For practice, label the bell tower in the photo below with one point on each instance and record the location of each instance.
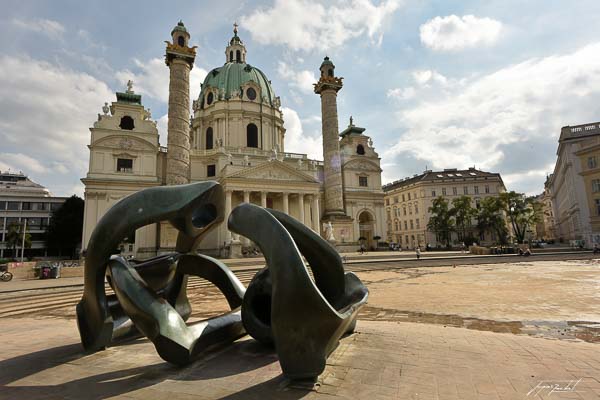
(235, 51)
(179, 58)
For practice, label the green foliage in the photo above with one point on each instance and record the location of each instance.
(490, 218)
(14, 238)
(66, 227)
(441, 221)
(463, 214)
(522, 212)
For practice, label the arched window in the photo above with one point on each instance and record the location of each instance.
(209, 98)
(209, 138)
(126, 123)
(238, 56)
(252, 135)
(231, 56)
(360, 150)
(181, 41)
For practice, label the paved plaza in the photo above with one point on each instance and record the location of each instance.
(526, 330)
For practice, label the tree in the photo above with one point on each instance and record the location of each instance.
(66, 226)
(463, 214)
(14, 238)
(522, 211)
(441, 221)
(491, 219)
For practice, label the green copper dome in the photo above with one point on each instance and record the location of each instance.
(180, 27)
(232, 76)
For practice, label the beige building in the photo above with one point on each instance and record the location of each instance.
(236, 137)
(574, 186)
(29, 205)
(407, 201)
(545, 229)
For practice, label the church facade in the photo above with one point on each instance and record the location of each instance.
(235, 136)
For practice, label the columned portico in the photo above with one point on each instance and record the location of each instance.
(301, 208)
(286, 203)
(316, 214)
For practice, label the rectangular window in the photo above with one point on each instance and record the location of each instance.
(403, 198)
(454, 191)
(596, 200)
(387, 202)
(2, 205)
(409, 196)
(211, 170)
(487, 188)
(404, 209)
(397, 226)
(465, 190)
(417, 223)
(412, 226)
(592, 162)
(595, 185)
(476, 188)
(433, 193)
(443, 191)
(416, 208)
(405, 225)
(26, 206)
(13, 206)
(124, 165)
(362, 181)
(415, 196)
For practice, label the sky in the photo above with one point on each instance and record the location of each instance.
(436, 84)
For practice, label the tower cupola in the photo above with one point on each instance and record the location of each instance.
(235, 51)
(180, 35)
(327, 68)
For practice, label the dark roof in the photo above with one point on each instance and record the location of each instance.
(447, 175)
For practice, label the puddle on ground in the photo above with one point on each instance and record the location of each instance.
(563, 330)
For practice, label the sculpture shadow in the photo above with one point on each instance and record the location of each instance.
(240, 357)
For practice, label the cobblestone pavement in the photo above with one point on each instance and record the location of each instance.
(470, 332)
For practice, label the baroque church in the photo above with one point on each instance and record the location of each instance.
(235, 136)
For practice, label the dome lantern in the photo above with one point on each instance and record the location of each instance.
(235, 51)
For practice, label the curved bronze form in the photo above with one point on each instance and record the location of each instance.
(193, 210)
(159, 321)
(304, 319)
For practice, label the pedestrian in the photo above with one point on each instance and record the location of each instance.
(418, 251)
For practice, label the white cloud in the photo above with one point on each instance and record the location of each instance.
(302, 80)
(162, 124)
(309, 25)
(298, 141)
(452, 33)
(152, 78)
(48, 27)
(402, 93)
(45, 112)
(486, 120)
(425, 77)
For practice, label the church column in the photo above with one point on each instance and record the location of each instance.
(227, 212)
(301, 206)
(246, 196)
(327, 87)
(286, 206)
(180, 60)
(316, 214)
(263, 199)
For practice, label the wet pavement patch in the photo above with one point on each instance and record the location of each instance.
(586, 331)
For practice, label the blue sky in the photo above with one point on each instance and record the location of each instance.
(437, 84)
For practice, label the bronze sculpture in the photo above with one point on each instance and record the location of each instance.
(303, 319)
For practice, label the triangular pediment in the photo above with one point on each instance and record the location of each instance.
(273, 170)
